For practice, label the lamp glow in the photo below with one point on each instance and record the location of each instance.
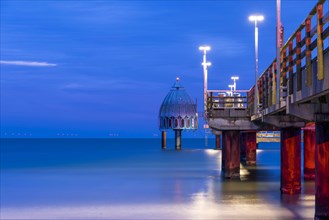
(256, 18)
(206, 64)
(204, 48)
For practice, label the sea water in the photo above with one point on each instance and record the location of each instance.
(135, 179)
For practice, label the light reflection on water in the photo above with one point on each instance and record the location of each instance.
(135, 179)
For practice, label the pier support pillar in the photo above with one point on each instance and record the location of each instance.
(309, 152)
(163, 140)
(250, 143)
(243, 147)
(217, 142)
(322, 170)
(178, 139)
(231, 154)
(290, 160)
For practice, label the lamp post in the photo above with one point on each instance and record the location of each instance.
(231, 90)
(205, 65)
(279, 42)
(256, 18)
(230, 101)
(234, 78)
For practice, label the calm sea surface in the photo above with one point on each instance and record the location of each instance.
(135, 179)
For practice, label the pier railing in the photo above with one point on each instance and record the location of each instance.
(223, 99)
(302, 63)
(228, 110)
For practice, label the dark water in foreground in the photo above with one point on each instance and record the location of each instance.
(135, 179)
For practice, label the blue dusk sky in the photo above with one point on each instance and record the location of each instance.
(102, 68)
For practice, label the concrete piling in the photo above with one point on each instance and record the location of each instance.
(217, 142)
(231, 154)
(163, 140)
(322, 170)
(309, 152)
(250, 143)
(178, 139)
(290, 160)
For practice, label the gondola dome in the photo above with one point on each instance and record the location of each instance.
(178, 111)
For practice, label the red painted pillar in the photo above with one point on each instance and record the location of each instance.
(250, 140)
(322, 170)
(242, 147)
(231, 154)
(290, 160)
(309, 152)
(217, 141)
(164, 139)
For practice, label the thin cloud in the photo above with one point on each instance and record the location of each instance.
(115, 84)
(26, 63)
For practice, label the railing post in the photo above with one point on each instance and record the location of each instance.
(211, 100)
(298, 61)
(319, 8)
(208, 103)
(284, 71)
(308, 52)
(270, 86)
(274, 82)
(290, 68)
(260, 92)
(266, 88)
(263, 91)
(249, 105)
(253, 99)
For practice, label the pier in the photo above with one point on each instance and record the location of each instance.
(291, 92)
